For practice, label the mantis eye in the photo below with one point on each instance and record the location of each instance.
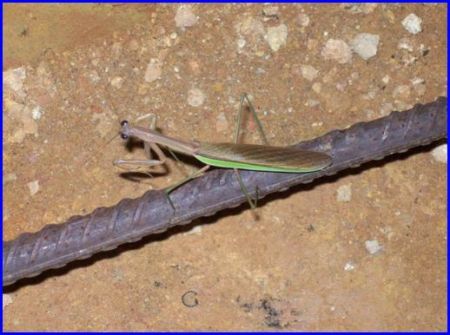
(123, 136)
(124, 123)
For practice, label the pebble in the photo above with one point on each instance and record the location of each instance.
(7, 299)
(36, 113)
(271, 11)
(153, 71)
(196, 97)
(386, 79)
(386, 108)
(309, 72)
(365, 45)
(360, 8)
(197, 230)
(349, 266)
(117, 82)
(401, 92)
(412, 23)
(9, 177)
(337, 50)
(440, 153)
(185, 17)
(405, 44)
(373, 247)
(344, 193)
(33, 186)
(312, 103)
(14, 79)
(221, 122)
(241, 43)
(277, 36)
(94, 77)
(317, 88)
(303, 20)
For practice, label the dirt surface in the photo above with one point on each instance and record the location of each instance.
(366, 251)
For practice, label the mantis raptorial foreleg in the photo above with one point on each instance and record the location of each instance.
(148, 147)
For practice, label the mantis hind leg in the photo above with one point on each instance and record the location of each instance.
(244, 97)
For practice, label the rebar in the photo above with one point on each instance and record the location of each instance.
(131, 219)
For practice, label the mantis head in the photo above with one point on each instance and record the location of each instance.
(125, 131)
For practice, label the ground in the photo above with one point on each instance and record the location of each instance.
(363, 251)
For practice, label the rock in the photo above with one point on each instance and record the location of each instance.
(309, 72)
(7, 299)
(405, 44)
(196, 97)
(412, 23)
(270, 11)
(185, 17)
(349, 266)
(33, 186)
(153, 71)
(116, 82)
(373, 247)
(303, 20)
(277, 36)
(344, 193)
(440, 153)
(337, 50)
(36, 113)
(401, 92)
(14, 78)
(365, 45)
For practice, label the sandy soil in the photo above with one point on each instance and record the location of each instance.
(77, 70)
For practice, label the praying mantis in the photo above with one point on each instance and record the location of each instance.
(235, 155)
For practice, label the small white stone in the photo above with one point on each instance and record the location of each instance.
(196, 97)
(33, 186)
(309, 72)
(185, 17)
(386, 79)
(153, 71)
(401, 92)
(365, 45)
(440, 153)
(174, 35)
(349, 266)
(373, 247)
(312, 103)
(344, 193)
(36, 113)
(241, 43)
(412, 23)
(197, 230)
(317, 88)
(337, 50)
(270, 11)
(116, 82)
(277, 36)
(14, 79)
(303, 20)
(7, 299)
(405, 44)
